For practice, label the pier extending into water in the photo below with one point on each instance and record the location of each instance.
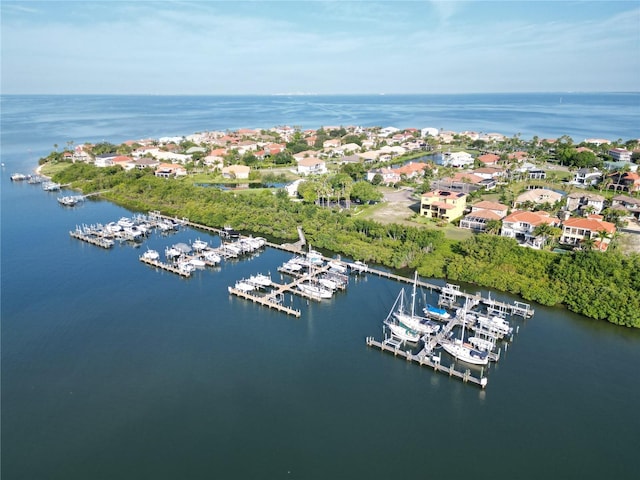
(423, 358)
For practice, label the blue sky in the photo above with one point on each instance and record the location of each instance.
(267, 47)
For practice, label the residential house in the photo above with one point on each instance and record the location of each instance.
(481, 213)
(389, 175)
(625, 182)
(239, 172)
(442, 204)
(105, 159)
(585, 202)
(167, 170)
(331, 143)
(575, 230)
(587, 177)
(521, 225)
(145, 162)
(464, 182)
(489, 172)
(457, 159)
(311, 166)
(477, 221)
(597, 141)
(620, 154)
(489, 159)
(127, 163)
(292, 188)
(538, 196)
(412, 169)
(630, 204)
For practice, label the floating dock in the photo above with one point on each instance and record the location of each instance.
(267, 301)
(92, 239)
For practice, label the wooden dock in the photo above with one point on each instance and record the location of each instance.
(165, 266)
(92, 239)
(267, 301)
(423, 359)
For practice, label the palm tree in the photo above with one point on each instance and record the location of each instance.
(587, 243)
(493, 227)
(602, 236)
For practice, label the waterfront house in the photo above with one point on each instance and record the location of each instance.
(145, 162)
(457, 159)
(481, 213)
(575, 230)
(443, 204)
(521, 225)
(477, 221)
(412, 169)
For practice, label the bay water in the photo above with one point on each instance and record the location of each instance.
(111, 369)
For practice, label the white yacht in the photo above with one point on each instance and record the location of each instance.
(260, 280)
(314, 290)
(212, 257)
(151, 255)
(200, 244)
(465, 352)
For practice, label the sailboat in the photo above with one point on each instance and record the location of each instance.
(397, 328)
(466, 352)
(413, 321)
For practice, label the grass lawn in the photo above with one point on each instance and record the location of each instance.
(50, 169)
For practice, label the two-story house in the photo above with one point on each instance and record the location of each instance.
(575, 230)
(521, 225)
(443, 204)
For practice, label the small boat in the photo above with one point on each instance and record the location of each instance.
(328, 283)
(112, 227)
(18, 177)
(50, 186)
(435, 312)
(125, 222)
(133, 231)
(358, 267)
(212, 257)
(228, 232)
(494, 324)
(171, 252)
(186, 267)
(151, 255)
(244, 286)
(337, 266)
(291, 266)
(68, 201)
(260, 280)
(198, 263)
(199, 244)
(481, 343)
(314, 290)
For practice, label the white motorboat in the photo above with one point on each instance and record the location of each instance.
(244, 286)
(151, 255)
(436, 312)
(125, 222)
(186, 267)
(314, 290)
(18, 177)
(172, 252)
(328, 284)
(337, 266)
(260, 280)
(494, 324)
(112, 227)
(198, 263)
(68, 200)
(133, 231)
(291, 266)
(199, 245)
(482, 344)
(212, 257)
(50, 186)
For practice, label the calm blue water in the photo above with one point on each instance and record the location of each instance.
(111, 369)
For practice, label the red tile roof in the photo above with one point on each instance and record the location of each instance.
(591, 224)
